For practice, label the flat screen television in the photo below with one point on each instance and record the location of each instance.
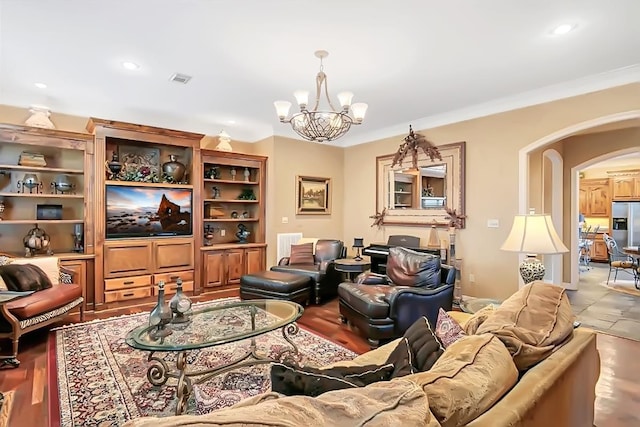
(148, 211)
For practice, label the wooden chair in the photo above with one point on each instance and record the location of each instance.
(42, 307)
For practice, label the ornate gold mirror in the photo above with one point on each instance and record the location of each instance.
(422, 195)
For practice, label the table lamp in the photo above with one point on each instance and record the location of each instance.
(358, 242)
(533, 234)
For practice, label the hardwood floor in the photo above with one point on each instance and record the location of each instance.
(618, 391)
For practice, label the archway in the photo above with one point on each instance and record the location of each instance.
(523, 177)
(554, 263)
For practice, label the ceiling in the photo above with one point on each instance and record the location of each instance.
(428, 62)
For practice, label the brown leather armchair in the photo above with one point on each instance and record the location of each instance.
(382, 307)
(324, 277)
(38, 309)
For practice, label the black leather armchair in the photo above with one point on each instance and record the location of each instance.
(324, 277)
(382, 307)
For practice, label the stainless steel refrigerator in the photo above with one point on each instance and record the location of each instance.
(626, 223)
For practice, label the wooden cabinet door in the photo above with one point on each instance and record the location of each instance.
(173, 254)
(255, 260)
(636, 194)
(235, 266)
(599, 201)
(584, 197)
(214, 268)
(79, 268)
(127, 258)
(599, 249)
(623, 188)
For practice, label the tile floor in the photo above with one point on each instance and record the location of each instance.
(605, 310)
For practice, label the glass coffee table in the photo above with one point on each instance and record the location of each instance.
(211, 326)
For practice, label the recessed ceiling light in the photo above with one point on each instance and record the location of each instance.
(562, 29)
(130, 65)
(40, 85)
(231, 122)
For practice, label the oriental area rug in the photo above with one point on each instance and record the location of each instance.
(102, 381)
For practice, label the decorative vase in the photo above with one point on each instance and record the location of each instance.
(1, 208)
(160, 316)
(180, 304)
(37, 240)
(247, 174)
(233, 173)
(31, 182)
(62, 184)
(114, 166)
(40, 117)
(173, 169)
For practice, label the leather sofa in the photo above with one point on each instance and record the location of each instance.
(324, 277)
(40, 308)
(383, 307)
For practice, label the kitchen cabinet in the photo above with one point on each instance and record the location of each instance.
(626, 188)
(595, 197)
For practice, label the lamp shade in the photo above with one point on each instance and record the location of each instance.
(534, 233)
(358, 242)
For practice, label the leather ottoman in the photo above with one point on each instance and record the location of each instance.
(276, 285)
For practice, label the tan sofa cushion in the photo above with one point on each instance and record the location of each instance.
(473, 323)
(397, 403)
(532, 322)
(473, 374)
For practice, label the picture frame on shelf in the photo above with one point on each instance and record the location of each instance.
(134, 158)
(313, 195)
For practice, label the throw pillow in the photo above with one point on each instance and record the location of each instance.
(301, 254)
(448, 330)
(25, 277)
(417, 351)
(297, 380)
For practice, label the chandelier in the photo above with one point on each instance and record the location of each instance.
(321, 125)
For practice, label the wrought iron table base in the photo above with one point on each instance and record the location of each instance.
(159, 372)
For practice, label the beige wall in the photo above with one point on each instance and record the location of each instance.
(493, 144)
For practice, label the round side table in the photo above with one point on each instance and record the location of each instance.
(351, 266)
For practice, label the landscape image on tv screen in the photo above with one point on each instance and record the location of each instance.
(147, 211)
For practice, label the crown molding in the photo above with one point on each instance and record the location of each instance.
(592, 83)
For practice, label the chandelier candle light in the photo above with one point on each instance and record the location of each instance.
(533, 234)
(321, 125)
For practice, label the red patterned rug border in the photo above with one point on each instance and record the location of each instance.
(53, 395)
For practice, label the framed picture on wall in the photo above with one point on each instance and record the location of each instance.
(313, 195)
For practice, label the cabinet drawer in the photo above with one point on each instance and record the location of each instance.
(172, 277)
(170, 289)
(127, 294)
(127, 282)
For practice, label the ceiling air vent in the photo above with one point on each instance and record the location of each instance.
(180, 78)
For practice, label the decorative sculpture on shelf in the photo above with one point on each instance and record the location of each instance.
(114, 167)
(379, 218)
(242, 233)
(411, 144)
(37, 240)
